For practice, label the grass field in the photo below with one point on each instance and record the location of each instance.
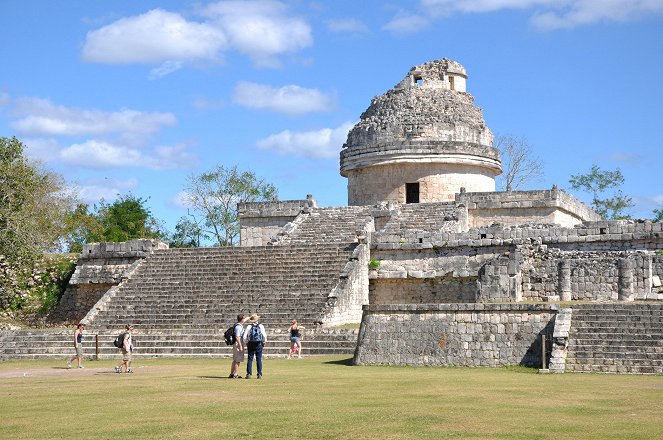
(321, 398)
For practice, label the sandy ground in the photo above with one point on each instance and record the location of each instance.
(12, 373)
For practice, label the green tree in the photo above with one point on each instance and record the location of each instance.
(658, 215)
(214, 195)
(188, 233)
(125, 219)
(597, 182)
(33, 204)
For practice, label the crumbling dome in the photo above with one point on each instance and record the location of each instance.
(421, 141)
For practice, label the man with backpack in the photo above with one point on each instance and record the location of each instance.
(238, 347)
(255, 338)
(127, 348)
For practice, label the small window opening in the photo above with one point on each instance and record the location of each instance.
(451, 83)
(419, 80)
(483, 236)
(412, 192)
(603, 231)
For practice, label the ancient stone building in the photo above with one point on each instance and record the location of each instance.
(422, 141)
(426, 245)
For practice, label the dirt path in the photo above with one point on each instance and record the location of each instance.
(18, 372)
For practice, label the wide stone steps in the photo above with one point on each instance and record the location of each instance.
(616, 338)
(210, 286)
(191, 342)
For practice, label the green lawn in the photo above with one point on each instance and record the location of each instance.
(321, 398)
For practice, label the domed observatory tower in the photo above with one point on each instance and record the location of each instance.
(420, 142)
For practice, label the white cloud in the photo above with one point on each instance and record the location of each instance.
(407, 23)
(4, 99)
(323, 144)
(97, 154)
(350, 25)
(166, 68)
(206, 104)
(659, 199)
(546, 14)
(260, 29)
(290, 99)
(101, 155)
(153, 37)
(43, 118)
(180, 200)
(92, 191)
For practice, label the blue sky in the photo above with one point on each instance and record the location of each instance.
(134, 96)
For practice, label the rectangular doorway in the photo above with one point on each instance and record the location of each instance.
(412, 192)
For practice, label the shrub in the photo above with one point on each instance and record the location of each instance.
(374, 264)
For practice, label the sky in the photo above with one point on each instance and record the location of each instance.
(133, 97)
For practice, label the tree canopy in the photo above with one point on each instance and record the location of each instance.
(599, 184)
(33, 203)
(213, 197)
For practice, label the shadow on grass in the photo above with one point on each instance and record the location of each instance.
(346, 362)
(216, 377)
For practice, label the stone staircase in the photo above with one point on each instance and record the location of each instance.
(429, 217)
(57, 344)
(330, 225)
(208, 287)
(616, 338)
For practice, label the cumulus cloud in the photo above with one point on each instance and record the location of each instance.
(320, 144)
(101, 155)
(153, 37)
(4, 99)
(349, 26)
(40, 117)
(92, 191)
(545, 14)
(290, 99)
(261, 29)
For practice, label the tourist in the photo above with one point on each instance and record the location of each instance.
(78, 346)
(255, 338)
(127, 350)
(295, 339)
(238, 348)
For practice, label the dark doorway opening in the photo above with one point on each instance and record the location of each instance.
(412, 192)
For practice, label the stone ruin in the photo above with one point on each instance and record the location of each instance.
(438, 267)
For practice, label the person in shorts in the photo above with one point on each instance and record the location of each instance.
(295, 339)
(238, 348)
(78, 346)
(127, 350)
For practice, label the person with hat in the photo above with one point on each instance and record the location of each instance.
(255, 338)
(127, 349)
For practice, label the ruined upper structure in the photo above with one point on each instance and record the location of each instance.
(421, 141)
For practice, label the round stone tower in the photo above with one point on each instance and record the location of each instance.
(420, 142)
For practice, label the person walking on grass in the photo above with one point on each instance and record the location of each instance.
(127, 350)
(78, 346)
(255, 338)
(238, 348)
(295, 339)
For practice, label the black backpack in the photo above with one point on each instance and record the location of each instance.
(119, 340)
(229, 335)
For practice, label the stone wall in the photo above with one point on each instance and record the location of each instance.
(437, 290)
(345, 301)
(260, 222)
(100, 266)
(525, 207)
(532, 263)
(477, 335)
(438, 182)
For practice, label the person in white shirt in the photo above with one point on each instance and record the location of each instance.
(238, 348)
